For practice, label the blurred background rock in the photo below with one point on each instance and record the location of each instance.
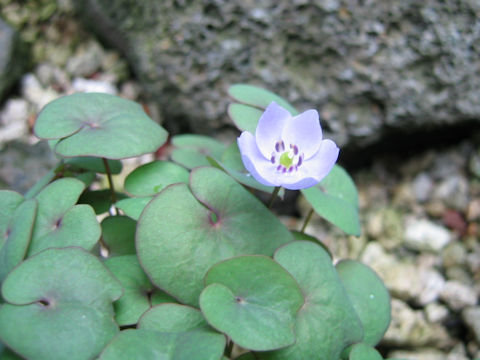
(397, 84)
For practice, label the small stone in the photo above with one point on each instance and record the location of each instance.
(435, 312)
(386, 225)
(459, 274)
(13, 120)
(87, 85)
(420, 354)
(33, 91)
(453, 191)
(471, 318)
(424, 235)
(410, 328)
(432, 284)
(457, 295)
(455, 221)
(473, 210)
(454, 254)
(86, 61)
(422, 187)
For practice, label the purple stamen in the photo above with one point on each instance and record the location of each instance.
(290, 169)
(279, 167)
(300, 159)
(272, 159)
(284, 170)
(295, 149)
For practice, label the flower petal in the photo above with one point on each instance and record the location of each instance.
(304, 131)
(270, 127)
(319, 165)
(314, 169)
(253, 160)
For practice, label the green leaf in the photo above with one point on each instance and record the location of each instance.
(153, 345)
(245, 117)
(139, 294)
(94, 164)
(191, 150)
(149, 179)
(327, 322)
(258, 97)
(302, 236)
(9, 201)
(369, 297)
(59, 222)
(133, 207)
(18, 235)
(362, 351)
(253, 300)
(184, 231)
(100, 200)
(40, 184)
(335, 198)
(60, 302)
(172, 318)
(118, 235)
(100, 125)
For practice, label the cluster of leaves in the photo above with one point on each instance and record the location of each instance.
(189, 265)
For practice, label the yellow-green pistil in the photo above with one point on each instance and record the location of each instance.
(286, 159)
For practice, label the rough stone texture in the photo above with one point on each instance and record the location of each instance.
(12, 60)
(370, 66)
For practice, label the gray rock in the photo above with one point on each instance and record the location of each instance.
(13, 120)
(90, 85)
(435, 312)
(12, 58)
(424, 235)
(457, 295)
(422, 187)
(410, 328)
(453, 191)
(370, 66)
(35, 93)
(86, 61)
(471, 318)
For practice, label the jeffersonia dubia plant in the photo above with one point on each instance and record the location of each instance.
(185, 262)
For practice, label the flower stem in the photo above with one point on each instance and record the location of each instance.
(307, 220)
(113, 197)
(274, 196)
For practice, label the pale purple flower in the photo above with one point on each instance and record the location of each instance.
(287, 151)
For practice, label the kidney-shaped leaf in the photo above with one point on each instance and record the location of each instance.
(362, 351)
(184, 231)
(118, 235)
(133, 207)
(369, 297)
(191, 150)
(60, 306)
(101, 125)
(335, 198)
(327, 322)
(149, 179)
(172, 318)
(153, 345)
(253, 300)
(59, 222)
(258, 97)
(18, 235)
(9, 201)
(139, 294)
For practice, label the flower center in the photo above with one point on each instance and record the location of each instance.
(288, 160)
